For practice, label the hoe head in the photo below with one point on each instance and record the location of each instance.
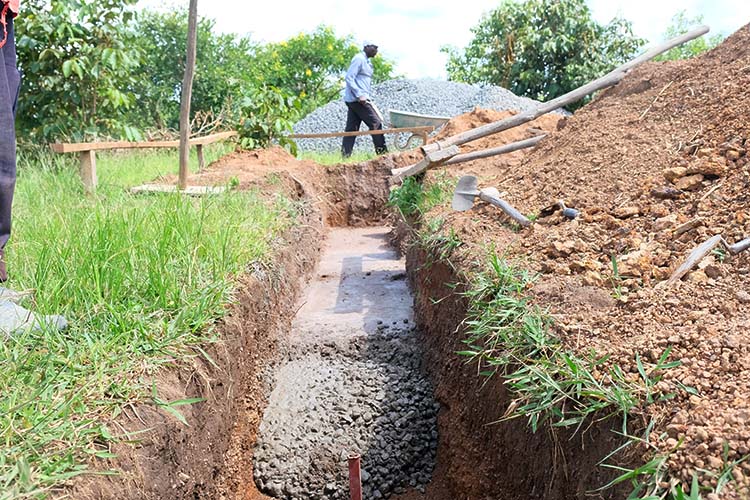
(466, 191)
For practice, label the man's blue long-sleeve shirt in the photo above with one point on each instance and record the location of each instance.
(358, 78)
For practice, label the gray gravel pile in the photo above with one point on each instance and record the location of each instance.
(428, 97)
(362, 394)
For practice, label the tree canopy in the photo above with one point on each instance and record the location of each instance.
(542, 48)
(78, 69)
(102, 69)
(311, 66)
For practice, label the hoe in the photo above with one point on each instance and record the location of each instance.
(468, 190)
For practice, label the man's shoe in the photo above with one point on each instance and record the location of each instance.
(15, 319)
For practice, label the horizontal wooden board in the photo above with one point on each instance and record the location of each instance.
(404, 130)
(98, 146)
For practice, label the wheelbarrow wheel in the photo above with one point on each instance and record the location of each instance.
(408, 144)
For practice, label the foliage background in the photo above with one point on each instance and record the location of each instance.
(96, 69)
(542, 48)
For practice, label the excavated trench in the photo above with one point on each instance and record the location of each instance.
(368, 368)
(363, 361)
(351, 381)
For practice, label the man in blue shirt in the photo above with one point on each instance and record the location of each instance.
(357, 99)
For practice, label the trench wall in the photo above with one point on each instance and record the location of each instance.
(479, 457)
(212, 457)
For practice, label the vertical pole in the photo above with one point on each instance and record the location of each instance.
(187, 93)
(88, 170)
(201, 159)
(355, 478)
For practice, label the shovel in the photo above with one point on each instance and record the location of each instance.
(468, 190)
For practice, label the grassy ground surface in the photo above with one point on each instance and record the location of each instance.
(141, 280)
(336, 158)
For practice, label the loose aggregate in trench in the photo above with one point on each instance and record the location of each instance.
(351, 383)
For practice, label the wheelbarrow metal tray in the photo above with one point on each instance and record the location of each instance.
(401, 119)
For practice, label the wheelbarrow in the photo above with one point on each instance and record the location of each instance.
(419, 123)
(402, 122)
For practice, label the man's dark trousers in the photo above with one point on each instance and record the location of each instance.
(362, 112)
(10, 82)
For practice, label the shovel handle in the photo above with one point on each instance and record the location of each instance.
(489, 196)
(740, 246)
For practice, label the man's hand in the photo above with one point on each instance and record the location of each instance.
(363, 99)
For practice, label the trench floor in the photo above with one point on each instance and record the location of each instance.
(351, 381)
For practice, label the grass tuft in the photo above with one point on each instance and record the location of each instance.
(509, 336)
(416, 197)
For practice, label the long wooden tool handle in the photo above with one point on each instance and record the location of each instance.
(489, 196)
(487, 153)
(607, 80)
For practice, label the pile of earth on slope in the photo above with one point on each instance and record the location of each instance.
(657, 165)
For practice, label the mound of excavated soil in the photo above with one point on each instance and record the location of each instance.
(657, 165)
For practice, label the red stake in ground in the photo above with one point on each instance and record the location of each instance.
(355, 477)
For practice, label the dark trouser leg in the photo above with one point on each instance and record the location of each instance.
(372, 120)
(10, 82)
(367, 114)
(353, 122)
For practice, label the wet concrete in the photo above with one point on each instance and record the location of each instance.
(352, 382)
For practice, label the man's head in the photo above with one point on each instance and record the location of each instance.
(371, 50)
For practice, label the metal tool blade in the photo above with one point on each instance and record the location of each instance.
(466, 191)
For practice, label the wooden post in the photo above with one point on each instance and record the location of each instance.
(201, 159)
(87, 170)
(187, 93)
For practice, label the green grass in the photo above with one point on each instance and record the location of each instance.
(511, 337)
(141, 279)
(416, 197)
(336, 158)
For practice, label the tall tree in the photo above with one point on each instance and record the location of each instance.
(542, 48)
(187, 93)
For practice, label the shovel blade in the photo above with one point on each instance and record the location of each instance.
(466, 192)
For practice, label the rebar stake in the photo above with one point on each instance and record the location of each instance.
(355, 477)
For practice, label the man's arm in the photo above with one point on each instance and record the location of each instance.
(351, 79)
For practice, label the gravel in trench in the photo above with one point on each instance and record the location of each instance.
(352, 382)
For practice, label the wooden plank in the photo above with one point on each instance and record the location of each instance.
(212, 138)
(527, 116)
(87, 170)
(98, 146)
(414, 130)
(607, 80)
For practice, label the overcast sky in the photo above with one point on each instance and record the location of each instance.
(411, 32)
